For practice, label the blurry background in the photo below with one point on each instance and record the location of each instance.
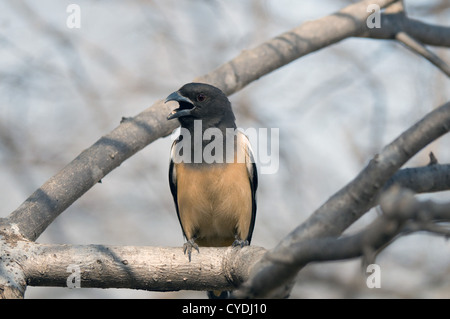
(61, 89)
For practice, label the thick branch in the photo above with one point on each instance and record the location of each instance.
(12, 278)
(147, 268)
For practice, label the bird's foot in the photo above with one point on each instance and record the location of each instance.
(240, 242)
(187, 247)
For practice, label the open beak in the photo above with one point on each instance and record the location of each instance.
(186, 105)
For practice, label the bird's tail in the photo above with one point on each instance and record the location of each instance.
(217, 294)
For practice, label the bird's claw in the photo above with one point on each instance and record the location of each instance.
(240, 242)
(187, 247)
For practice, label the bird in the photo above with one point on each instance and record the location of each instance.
(212, 172)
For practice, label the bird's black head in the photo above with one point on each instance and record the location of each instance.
(199, 101)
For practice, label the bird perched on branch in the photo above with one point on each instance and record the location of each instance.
(212, 172)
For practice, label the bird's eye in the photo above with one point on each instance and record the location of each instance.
(201, 97)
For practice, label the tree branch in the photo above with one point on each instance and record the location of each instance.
(412, 33)
(427, 179)
(400, 210)
(348, 204)
(146, 268)
(393, 23)
(420, 49)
